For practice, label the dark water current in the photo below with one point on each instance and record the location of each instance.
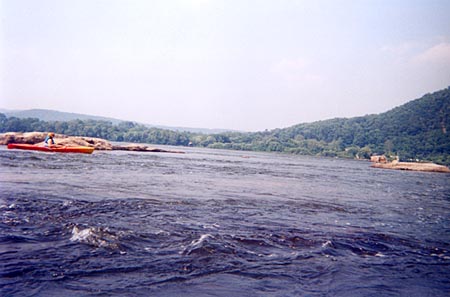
(219, 223)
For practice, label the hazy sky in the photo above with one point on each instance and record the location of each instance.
(245, 65)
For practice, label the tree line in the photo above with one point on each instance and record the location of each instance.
(416, 130)
(121, 132)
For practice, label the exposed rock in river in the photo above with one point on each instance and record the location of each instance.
(142, 148)
(381, 162)
(428, 167)
(97, 143)
(378, 159)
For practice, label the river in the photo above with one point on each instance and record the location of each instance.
(219, 223)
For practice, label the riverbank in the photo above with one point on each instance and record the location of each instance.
(96, 143)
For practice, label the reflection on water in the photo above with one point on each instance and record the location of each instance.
(219, 223)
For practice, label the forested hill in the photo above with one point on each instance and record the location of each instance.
(419, 129)
(413, 130)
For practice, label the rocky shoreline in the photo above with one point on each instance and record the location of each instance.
(97, 143)
(424, 167)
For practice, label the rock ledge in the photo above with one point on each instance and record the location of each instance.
(426, 167)
(97, 143)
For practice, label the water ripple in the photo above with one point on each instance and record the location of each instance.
(215, 224)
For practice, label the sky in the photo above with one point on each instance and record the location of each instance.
(231, 64)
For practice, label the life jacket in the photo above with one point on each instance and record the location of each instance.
(49, 138)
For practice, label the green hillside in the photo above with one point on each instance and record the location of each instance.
(419, 129)
(415, 130)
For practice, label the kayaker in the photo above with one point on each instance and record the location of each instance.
(49, 139)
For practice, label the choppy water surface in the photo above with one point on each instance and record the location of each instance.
(219, 223)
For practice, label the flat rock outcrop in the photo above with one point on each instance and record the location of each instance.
(426, 167)
(17, 137)
(97, 143)
(39, 137)
(142, 148)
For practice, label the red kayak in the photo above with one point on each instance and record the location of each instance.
(55, 149)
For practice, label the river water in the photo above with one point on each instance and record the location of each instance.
(219, 223)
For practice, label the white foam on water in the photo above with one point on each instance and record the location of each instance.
(327, 244)
(97, 237)
(198, 242)
(81, 235)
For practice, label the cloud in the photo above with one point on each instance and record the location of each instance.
(437, 54)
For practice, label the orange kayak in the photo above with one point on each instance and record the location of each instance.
(55, 149)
